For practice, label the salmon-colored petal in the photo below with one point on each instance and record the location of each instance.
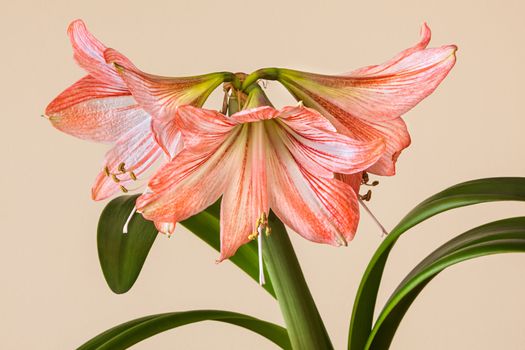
(378, 92)
(88, 51)
(202, 128)
(167, 228)
(130, 157)
(245, 197)
(397, 138)
(190, 182)
(354, 180)
(93, 110)
(394, 133)
(168, 136)
(160, 96)
(303, 119)
(322, 151)
(424, 34)
(319, 209)
(254, 114)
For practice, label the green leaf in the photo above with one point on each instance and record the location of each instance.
(122, 255)
(505, 236)
(127, 334)
(467, 193)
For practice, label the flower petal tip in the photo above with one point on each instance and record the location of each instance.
(75, 25)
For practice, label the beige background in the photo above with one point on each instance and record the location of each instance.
(53, 295)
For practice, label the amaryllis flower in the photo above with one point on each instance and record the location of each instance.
(260, 159)
(368, 102)
(99, 107)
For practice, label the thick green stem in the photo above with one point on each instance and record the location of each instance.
(304, 324)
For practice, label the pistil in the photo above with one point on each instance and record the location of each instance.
(384, 232)
(262, 229)
(126, 224)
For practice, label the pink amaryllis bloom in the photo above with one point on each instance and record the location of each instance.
(368, 103)
(260, 159)
(99, 107)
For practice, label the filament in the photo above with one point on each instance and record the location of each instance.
(384, 232)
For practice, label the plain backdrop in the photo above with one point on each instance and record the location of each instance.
(53, 294)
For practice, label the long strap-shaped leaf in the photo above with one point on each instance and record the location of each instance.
(122, 255)
(467, 193)
(503, 236)
(127, 334)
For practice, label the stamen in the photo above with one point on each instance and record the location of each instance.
(262, 229)
(123, 189)
(122, 167)
(384, 232)
(106, 171)
(366, 178)
(115, 178)
(133, 176)
(260, 253)
(367, 196)
(125, 228)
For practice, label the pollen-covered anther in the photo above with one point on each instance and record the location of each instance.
(122, 167)
(367, 196)
(133, 176)
(106, 171)
(123, 189)
(366, 180)
(261, 225)
(115, 178)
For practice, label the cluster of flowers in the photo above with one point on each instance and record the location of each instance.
(304, 162)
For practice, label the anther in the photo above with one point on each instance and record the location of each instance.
(122, 167)
(367, 196)
(133, 176)
(106, 171)
(365, 178)
(123, 189)
(115, 178)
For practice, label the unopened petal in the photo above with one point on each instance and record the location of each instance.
(93, 110)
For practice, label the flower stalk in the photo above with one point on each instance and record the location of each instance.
(303, 322)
